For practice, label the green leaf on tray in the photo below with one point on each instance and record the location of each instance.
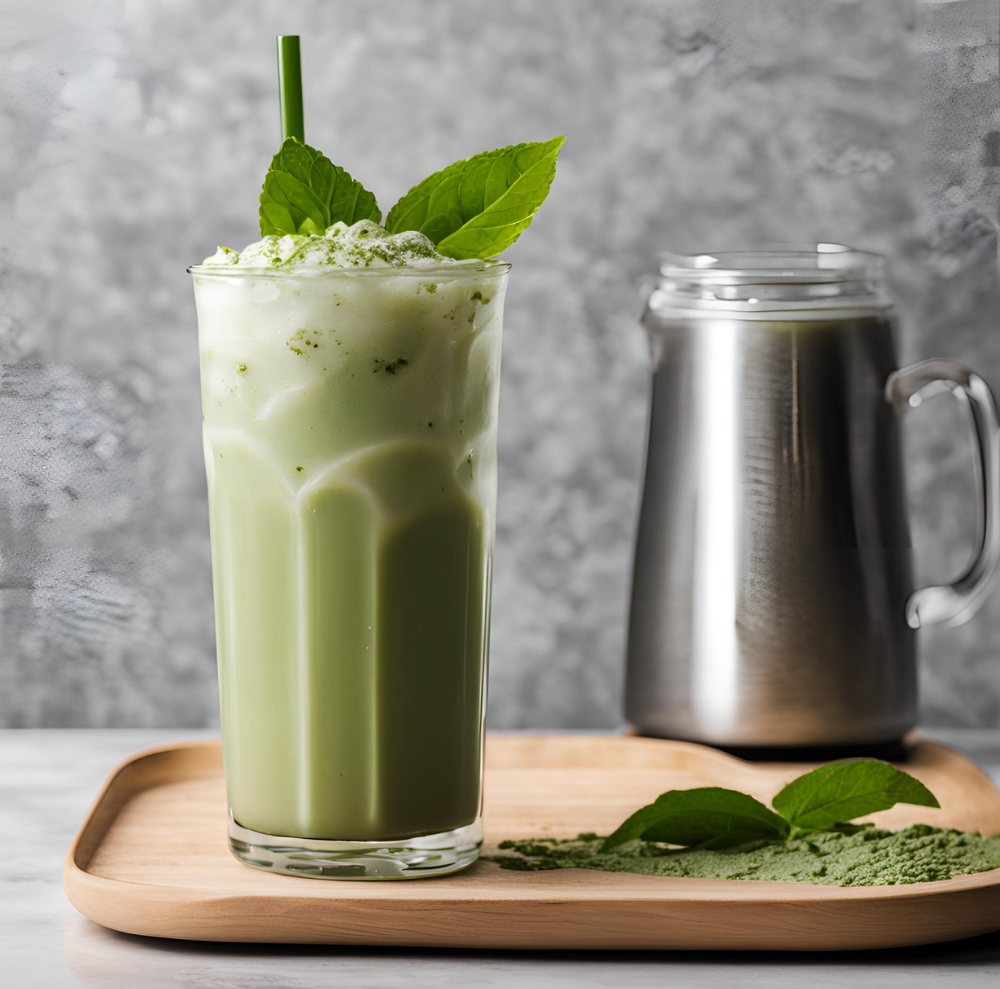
(825, 798)
(304, 193)
(478, 207)
(709, 817)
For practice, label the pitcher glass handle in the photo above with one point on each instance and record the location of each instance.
(953, 604)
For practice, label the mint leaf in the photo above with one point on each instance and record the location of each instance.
(709, 816)
(827, 797)
(304, 193)
(478, 207)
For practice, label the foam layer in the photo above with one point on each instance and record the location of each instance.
(363, 245)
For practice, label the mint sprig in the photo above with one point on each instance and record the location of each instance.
(475, 208)
(825, 799)
(478, 207)
(304, 193)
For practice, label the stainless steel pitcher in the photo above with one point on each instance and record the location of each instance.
(773, 601)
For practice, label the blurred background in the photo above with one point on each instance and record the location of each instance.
(134, 137)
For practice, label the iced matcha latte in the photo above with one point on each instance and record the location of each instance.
(350, 376)
(350, 401)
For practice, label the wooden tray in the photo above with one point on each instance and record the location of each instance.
(151, 858)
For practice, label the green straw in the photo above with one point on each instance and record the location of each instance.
(290, 87)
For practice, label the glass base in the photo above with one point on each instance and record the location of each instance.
(412, 858)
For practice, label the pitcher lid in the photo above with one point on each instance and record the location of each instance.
(772, 278)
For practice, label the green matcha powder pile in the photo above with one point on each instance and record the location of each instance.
(872, 857)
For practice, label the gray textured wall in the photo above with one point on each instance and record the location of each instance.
(133, 138)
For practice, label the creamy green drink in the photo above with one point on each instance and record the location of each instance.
(350, 388)
(350, 376)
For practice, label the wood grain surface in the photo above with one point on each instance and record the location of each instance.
(152, 858)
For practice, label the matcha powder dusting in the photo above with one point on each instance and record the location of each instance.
(870, 857)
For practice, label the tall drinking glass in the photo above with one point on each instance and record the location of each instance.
(350, 422)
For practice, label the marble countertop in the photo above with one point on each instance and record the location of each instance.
(49, 778)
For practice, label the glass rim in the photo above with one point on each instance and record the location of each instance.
(774, 263)
(436, 270)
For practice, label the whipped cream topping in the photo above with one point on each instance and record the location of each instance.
(365, 244)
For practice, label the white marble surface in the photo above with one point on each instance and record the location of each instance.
(49, 777)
